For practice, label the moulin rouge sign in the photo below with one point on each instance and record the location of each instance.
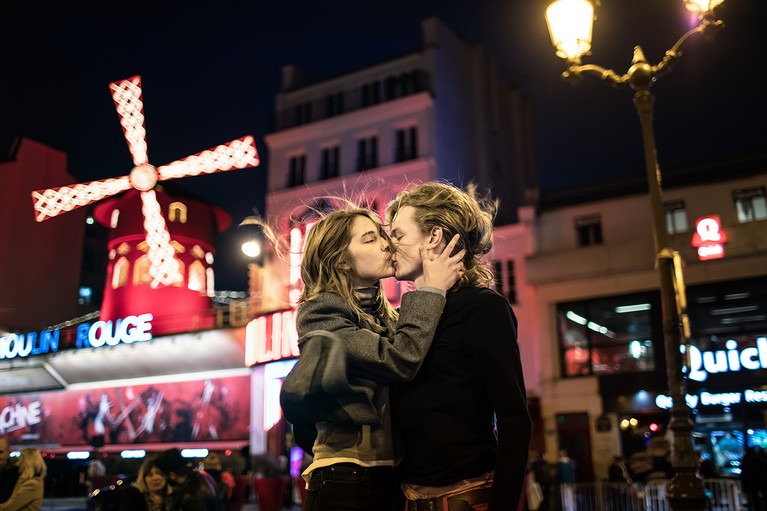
(85, 335)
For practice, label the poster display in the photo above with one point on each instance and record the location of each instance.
(188, 411)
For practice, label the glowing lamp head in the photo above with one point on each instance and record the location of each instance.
(143, 177)
(570, 23)
(701, 6)
(251, 248)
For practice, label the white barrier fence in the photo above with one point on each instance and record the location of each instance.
(723, 495)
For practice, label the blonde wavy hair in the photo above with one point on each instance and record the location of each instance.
(455, 212)
(326, 248)
(30, 464)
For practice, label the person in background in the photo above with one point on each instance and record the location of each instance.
(9, 472)
(464, 417)
(542, 471)
(617, 472)
(346, 256)
(150, 492)
(27, 495)
(190, 491)
(224, 481)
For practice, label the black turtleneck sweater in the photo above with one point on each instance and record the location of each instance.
(471, 376)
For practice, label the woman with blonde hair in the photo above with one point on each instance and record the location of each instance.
(28, 493)
(149, 492)
(346, 255)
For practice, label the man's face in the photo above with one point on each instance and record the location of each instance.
(5, 452)
(407, 239)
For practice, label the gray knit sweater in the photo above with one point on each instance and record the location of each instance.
(372, 361)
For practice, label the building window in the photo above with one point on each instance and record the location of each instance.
(330, 164)
(334, 104)
(588, 230)
(367, 153)
(407, 144)
(120, 273)
(676, 216)
(608, 335)
(297, 170)
(197, 277)
(370, 93)
(303, 113)
(177, 212)
(750, 203)
(505, 280)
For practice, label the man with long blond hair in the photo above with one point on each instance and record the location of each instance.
(464, 418)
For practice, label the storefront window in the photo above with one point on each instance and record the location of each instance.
(608, 335)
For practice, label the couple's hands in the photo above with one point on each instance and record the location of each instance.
(443, 270)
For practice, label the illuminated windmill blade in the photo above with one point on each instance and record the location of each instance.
(130, 107)
(237, 154)
(53, 201)
(164, 267)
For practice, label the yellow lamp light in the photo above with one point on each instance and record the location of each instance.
(701, 6)
(570, 23)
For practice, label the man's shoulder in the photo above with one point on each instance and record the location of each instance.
(477, 296)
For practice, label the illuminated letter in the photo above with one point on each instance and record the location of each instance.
(749, 358)
(83, 335)
(25, 347)
(696, 363)
(143, 328)
(732, 355)
(761, 345)
(99, 327)
(715, 361)
(122, 333)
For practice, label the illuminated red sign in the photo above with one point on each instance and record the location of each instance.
(709, 238)
(271, 337)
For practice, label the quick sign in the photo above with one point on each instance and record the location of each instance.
(126, 330)
(703, 363)
(709, 238)
(719, 398)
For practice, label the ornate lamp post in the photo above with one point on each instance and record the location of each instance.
(570, 23)
(251, 247)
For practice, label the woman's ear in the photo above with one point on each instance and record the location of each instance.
(343, 265)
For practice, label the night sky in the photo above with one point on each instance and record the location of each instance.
(210, 71)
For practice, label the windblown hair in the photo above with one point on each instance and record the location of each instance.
(30, 464)
(455, 212)
(326, 248)
(143, 471)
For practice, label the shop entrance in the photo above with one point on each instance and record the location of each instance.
(574, 437)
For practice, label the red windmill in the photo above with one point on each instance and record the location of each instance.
(237, 154)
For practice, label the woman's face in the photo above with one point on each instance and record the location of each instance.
(155, 479)
(369, 253)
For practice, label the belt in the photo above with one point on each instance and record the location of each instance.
(459, 502)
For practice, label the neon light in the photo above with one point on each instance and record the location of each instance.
(576, 318)
(709, 237)
(632, 308)
(127, 97)
(194, 453)
(78, 455)
(127, 330)
(133, 453)
(270, 338)
(15, 345)
(710, 362)
(165, 267)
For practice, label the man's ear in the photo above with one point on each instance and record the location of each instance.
(436, 237)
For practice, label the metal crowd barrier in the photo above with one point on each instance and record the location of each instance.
(723, 495)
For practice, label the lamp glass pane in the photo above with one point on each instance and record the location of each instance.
(570, 23)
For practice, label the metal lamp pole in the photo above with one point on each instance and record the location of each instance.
(686, 491)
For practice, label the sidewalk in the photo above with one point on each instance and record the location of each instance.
(79, 504)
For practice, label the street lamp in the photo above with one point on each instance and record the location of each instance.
(252, 236)
(570, 23)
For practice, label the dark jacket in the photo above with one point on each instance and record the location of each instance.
(194, 495)
(470, 383)
(8, 477)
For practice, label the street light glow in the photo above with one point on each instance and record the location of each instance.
(570, 23)
(251, 248)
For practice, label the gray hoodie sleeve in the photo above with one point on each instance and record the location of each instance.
(392, 357)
